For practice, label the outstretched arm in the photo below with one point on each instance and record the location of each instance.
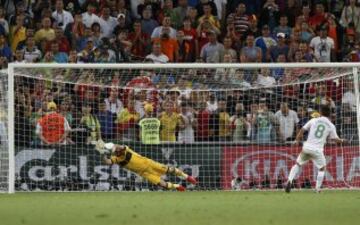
(299, 136)
(106, 160)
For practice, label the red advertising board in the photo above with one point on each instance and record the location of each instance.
(255, 164)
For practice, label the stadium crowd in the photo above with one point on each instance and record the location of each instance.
(121, 31)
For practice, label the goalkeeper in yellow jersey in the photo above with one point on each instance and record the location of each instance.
(145, 167)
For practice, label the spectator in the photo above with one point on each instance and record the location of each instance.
(96, 33)
(280, 49)
(321, 97)
(59, 57)
(20, 11)
(193, 15)
(122, 47)
(319, 18)
(265, 42)
(190, 36)
(154, 6)
(186, 134)
(149, 126)
(113, 103)
(126, 122)
(203, 123)
(86, 55)
(240, 127)
(91, 124)
(229, 50)
(121, 8)
(18, 57)
(269, 14)
(254, 28)
(240, 20)
(200, 7)
(350, 16)
(306, 33)
(121, 25)
(157, 56)
(3, 22)
(169, 120)
(61, 16)
(207, 14)
(169, 45)
(185, 53)
(250, 53)
(220, 126)
(264, 79)
(263, 123)
(179, 13)
(287, 120)
(52, 128)
(64, 45)
(31, 52)
(349, 96)
(323, 46)
(17, 32)
(303, 116)
(211, 52)
(5, 50)
(46, 32)
(212, 104)
(283, 26)
(107, 22)
(166, 23)
(106, 121)
(74, 31)
(203, 31)
(89, 17)
(148, 24)
(140, 41)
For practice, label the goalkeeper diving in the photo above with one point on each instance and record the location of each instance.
(147, 168)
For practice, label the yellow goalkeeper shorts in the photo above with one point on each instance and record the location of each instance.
(154, 172)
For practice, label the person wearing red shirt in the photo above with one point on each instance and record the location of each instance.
(140, 41)
(190, 36)
(203, 121)
(53, 127)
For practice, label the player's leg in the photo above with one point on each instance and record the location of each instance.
(171, 170)
(155, 178)
(179, 173)
(302, 159)
(320, 162)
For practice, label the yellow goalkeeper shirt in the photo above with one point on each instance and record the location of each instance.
(131, 161)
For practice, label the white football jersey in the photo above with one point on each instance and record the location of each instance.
(319, 130)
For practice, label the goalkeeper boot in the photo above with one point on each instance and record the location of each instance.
(191, 180)
(181, 188)
(288, 187)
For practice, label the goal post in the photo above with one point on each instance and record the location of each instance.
(229, 125)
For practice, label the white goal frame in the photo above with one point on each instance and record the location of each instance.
(11, 95)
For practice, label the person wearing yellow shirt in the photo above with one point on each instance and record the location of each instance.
(126, 121)
(211, 18)
(17, 32)
(169, 122)
(220, 125)
(46, 32)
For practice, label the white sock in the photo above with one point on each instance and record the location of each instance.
(319, 179)
(293, 172)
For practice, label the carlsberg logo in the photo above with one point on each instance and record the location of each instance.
(37, 171)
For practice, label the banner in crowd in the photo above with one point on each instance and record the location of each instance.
(268, 167)
(81, 167)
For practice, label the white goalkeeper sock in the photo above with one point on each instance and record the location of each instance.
(319, 179)
(293, 172)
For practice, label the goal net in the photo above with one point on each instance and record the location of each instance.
(231, 126)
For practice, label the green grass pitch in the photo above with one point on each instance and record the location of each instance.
(174, 208)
